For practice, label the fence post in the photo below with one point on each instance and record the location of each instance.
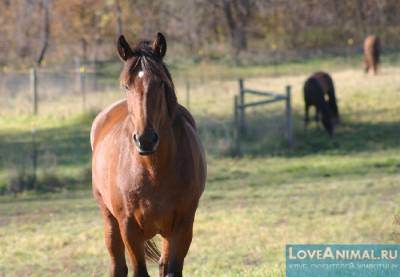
(289, 123)
(34, 157)
(187, 94)
(242, 123)
(95, 84)
(33, 78)
(80, 73)
(236, 127)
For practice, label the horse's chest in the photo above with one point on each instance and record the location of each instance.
(154, 216)
(151, 204)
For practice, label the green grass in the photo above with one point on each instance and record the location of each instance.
(340, 190)
(250, 210)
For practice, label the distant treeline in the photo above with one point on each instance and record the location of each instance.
(52, 31)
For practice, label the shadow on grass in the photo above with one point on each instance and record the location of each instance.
(69, 147)
(265, 136)
(350, 137)
(70, 144)
(62, 152)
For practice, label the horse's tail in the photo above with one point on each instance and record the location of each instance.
(377, 49)
(151, 251)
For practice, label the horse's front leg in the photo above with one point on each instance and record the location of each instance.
(306, 115)
(374, 67)
(115, 246)
(113, 240)
(317, 114)
(175, 249)
(134, 244)
(366, 66)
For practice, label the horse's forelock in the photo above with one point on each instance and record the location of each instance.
(148, 61)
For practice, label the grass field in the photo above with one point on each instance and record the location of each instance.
(340, 190)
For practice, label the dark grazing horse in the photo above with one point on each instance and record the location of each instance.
(314, 95)
(148, 165)
(372, 49)
(328, 87)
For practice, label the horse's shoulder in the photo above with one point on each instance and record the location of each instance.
(183, 116)
(323, 79)
(312, 83)
(106, 119)
(185, 128)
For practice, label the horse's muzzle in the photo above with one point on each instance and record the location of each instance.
(146, 143)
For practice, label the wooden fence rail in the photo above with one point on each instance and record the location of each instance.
(239, 108)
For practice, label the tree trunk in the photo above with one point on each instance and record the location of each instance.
(237, 13)
(83, 40)
(361, 18)
(84, 46)
(118, 15)
(45, 33)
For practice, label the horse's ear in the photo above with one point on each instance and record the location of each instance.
(124, 50)
(160, 45)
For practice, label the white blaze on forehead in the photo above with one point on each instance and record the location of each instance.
(140, 74)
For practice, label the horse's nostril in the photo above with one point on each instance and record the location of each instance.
(155, 138)
(136, 140)
(149, 138)
(147, 141)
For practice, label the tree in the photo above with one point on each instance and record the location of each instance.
(45, 32)
(237, 13)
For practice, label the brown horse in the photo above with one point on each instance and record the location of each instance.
(328, 87)
(148, 165)
(314, 95)
(372, 49)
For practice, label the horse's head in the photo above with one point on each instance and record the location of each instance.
(150, 91)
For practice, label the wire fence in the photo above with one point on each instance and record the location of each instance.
(32, 91)
(74, 88)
